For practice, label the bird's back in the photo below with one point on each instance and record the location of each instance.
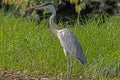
(71, 45)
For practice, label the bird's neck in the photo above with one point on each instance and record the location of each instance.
(53, 25)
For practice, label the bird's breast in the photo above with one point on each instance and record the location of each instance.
(62, 39)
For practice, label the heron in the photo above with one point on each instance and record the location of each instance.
(71, 46)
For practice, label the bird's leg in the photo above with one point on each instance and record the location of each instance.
(69, 68)
(70, 63)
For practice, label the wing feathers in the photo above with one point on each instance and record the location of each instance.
(72, 45)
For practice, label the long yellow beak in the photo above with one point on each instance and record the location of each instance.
(34, 7)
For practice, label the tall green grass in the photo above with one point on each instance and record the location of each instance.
(34, 49)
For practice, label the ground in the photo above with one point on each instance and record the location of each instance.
(20, 75)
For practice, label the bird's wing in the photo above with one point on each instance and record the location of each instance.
(72, 45)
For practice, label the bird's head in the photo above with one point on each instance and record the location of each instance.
(44, 5)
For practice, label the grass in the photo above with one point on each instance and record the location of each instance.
(34, 49)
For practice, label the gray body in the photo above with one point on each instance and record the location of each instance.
(71, 45)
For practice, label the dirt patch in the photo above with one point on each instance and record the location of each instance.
(13, 75)
(20, 75)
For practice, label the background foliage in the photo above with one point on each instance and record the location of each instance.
(83, 7)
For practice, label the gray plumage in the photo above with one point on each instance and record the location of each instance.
(71, 45)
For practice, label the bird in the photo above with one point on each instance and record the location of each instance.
(71, 46)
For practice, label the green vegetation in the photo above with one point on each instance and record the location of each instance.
(34, 49)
